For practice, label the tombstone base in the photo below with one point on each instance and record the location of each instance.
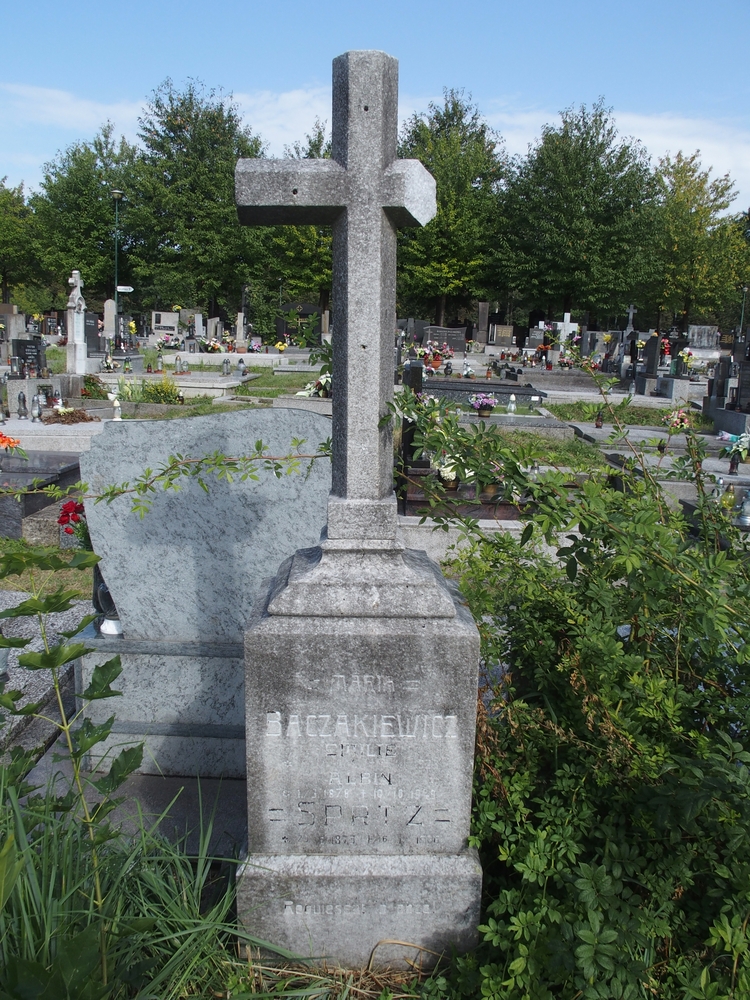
(366, 578)
(76, 359)
(396, 912)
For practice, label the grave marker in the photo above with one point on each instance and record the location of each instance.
(363, 662)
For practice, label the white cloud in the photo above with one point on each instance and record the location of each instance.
(63, 110)
(282, 119)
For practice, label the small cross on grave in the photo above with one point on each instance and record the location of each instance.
(364, 192)
(631, 313)
(566, 329)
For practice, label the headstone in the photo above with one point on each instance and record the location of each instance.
(566, 329)
(483, 313)
(743, 387)
(199, 331)
(651, 355)
(212, 328)
(109, 330)
(240, 328)
(185, 577)
(76, 312)
(358, 811)
(91, 330)
(165, 322)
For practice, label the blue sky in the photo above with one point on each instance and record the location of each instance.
(675, 73)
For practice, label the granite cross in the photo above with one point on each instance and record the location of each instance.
(364, 192)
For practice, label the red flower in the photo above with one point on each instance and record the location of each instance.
(71, 510)
(69, 531)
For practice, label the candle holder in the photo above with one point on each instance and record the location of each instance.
(23, 412)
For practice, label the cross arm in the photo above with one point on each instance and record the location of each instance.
(289, 192)
(409, 193)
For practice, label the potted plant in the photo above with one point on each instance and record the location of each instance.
(483, 403)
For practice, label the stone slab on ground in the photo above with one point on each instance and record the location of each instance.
(68, 438)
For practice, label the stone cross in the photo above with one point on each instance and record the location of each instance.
(364, 192)
(631, 313)
(75, 299)
(566, 328)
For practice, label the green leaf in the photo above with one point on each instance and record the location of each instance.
(124, 764)
(571, 568)
(101, 678)
(58, 655)
(61, 600)
(88, 735)
(80, 627)
(10, 868)
(528, 531)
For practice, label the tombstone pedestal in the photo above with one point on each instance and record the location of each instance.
(360, 741)
(76, 358)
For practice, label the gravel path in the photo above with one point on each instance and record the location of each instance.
(35, 684)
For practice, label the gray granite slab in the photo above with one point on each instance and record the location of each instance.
(192, 567)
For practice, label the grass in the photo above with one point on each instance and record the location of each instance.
(72, 579)
(632, 416)
(199, 409)
(57, 358)
(575, 454)
(270, 385)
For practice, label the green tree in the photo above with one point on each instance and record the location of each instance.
(575, 225)
(446, 263)
(187, 243)
(304, 254)
(75, 214)
(700, 253)
(16, 259)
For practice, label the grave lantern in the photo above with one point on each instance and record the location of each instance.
(160, 362)
(36, 409)
(127, 365)
(241, 367)
(191, 347)
(226, 366)
(149, 369)
(15, 366)
(178, 365)
(23, 412)
(180, 398)
(117, 409)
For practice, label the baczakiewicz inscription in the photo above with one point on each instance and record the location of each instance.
(365, 725)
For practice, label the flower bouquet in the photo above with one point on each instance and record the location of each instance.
(483, 403)
(676, 421)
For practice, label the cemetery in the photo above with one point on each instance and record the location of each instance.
(404, 650)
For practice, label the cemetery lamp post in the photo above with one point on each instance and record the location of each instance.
(117, 195)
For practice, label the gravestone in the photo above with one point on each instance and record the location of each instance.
(110, 317)
(362, 662)
(185, 577)
(651, 355)
(93, 340)
(76, 313)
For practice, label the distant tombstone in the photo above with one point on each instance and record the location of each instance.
(483, 314)
(75, 322)
(455, 338)
(743, 387)
(93, 340)
(727, 343)
(109, 330)
(651, 355)
(703, 337)
(199, 331)
(31, 351)
(504, 336)
(165, 322)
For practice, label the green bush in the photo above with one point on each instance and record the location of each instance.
(612, 796)
(163, 391)
(93, 387)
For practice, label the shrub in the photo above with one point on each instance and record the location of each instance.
(162, 391)
(612, 796)
(93, 387)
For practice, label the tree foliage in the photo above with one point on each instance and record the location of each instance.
(574, 228)
(700, 253)
(16, 260)
(75, 214)
(612, 794)
(445, 264)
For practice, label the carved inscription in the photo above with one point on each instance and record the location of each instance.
(366, 725)
(294, 909)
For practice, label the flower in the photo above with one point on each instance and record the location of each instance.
(8, 442)
(71, 511)
(483, 401)
(280, 345)
(677, 420)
